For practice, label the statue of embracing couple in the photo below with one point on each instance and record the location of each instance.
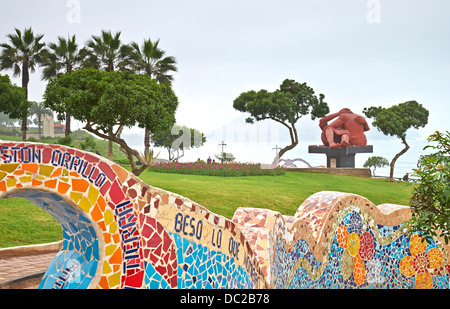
(347, 130)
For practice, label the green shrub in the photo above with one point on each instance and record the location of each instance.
(216, 169)
(66, 141)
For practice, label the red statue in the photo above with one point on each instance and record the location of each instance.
(347, 130)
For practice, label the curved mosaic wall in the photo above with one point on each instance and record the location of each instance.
(121, 233)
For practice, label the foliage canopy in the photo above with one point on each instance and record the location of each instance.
(430, 200)
(12, 99)
(22, 56)
(285, 106)
(375, 161)
(109, 101)
(178, 138)
(396, 120)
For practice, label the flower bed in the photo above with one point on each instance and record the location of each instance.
(216, 169)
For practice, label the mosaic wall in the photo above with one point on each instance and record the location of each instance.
(339, 240)
(121, 233)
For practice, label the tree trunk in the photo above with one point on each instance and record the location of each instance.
(39, 124)
(67, 130)
(110, 150)
(391, 173)
(24, 129)
(110, 145)
(146, 142)
(25, 80)
(131, 153)
(294, 142)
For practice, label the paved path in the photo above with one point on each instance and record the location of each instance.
(18, 266)
(16, 263)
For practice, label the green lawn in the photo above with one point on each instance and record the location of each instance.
(222, 195)
(22, 223)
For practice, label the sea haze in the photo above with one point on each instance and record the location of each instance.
(256, 143)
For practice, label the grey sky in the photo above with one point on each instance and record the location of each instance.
(225, 48)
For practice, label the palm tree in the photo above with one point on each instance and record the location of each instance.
(22, 56)
(149, 59)
(108, 51)
(61, 57)
(39, 110)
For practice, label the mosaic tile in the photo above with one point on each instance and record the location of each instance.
(119, 232)
(362, 254)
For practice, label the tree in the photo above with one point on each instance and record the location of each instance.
(150, 59)
(376, 161)
(39, 110)
(22, 56)
(89, 144)
(12, 99)
(430, 199)
(6, 121)
(172, 140)
(109, 101)
(285, 105)
(61, 57)
(108, 51)
(396, 120)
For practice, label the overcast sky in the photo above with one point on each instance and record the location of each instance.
(358, 53)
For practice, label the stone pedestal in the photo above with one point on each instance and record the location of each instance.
(340, 157)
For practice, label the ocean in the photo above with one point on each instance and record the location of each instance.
(257, 143)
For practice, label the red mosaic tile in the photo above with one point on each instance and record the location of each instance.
(107, 170)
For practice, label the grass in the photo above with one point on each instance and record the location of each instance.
(282, 193)
(23, 223)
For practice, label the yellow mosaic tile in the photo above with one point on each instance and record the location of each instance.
(25, 179)
(75, 196)
(11, 182)
(9, 167)
(45, 170)
(85, 204)
(92, 194)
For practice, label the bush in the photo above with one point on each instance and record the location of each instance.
(89, 144)
(66, 141)
(216, 169)
(376, 161)
(122, 161)
(430, 201)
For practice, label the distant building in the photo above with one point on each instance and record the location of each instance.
(59, 128)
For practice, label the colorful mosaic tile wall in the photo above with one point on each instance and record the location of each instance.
(339, 240)
(121, 233)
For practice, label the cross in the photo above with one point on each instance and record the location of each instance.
(223, 144)
(277, 148)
